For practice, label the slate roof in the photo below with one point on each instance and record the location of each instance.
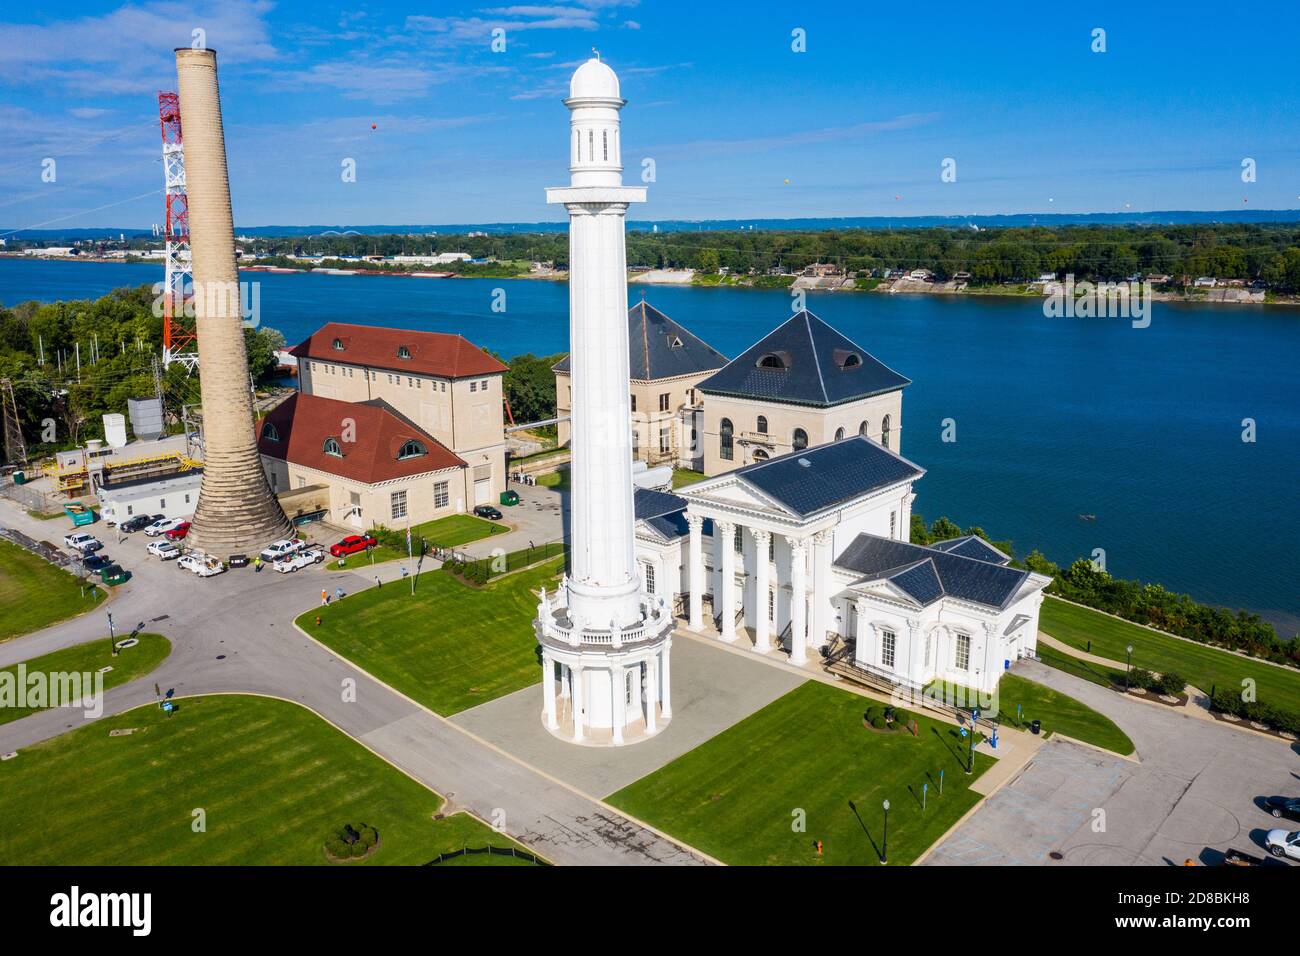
(814, 479)
(972, 546)
(431, 353)
(917, 570)
(665, 513)
(660, 348)
(303, 422)
(818, 366)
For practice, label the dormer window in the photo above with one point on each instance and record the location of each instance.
(851, 360)
(411, 449)
(331, 447)
(403, 352)
(675, 342)
(337, 345)
(269, 432)
(773, 360)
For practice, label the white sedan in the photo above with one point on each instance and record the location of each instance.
(162, 526)
(299, 559)
(1283, 843)
(165, 550)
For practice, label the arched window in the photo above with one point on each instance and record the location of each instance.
(411, 449)
(762, 424)
(884, 432)
(863, 429)
(331, 447)
(760, 455)
(839, 433)
(851, 360)
(800, 440)
(269, 432)
(726, 447)
(338, 345)
(771, 360)
(403, 352)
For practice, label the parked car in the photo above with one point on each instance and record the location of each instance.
(166, 550)
(205, 566)
(299, 559)
(278, 549)
(138, 523)
(1284, 806)
(352, 544)
(487, 511)
(1282, 843)
(95, 563)
(179, 532)
(163, 525)
(85, 543)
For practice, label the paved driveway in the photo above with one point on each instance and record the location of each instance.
(1191, 794)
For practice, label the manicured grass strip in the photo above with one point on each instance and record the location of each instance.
(451, 646)
(1058, 713)
(449, 532)
(737, 796)
(35, 594)
(1098, 674)
(1202, 666)
(130, 663)
(272, 779)
(685, 476)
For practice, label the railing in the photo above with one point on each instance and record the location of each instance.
(491, 851)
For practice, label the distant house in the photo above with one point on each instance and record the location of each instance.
(1157, 278)
(921, 275)
(1045, 277)
(823, 270)
(1206, 282)
(961, 276)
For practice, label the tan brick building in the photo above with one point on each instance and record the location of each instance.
(441, 383)
(666, 363)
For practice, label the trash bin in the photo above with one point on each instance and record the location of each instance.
(509, 498)
(20, 478)
(239, 560)
(1035, 726)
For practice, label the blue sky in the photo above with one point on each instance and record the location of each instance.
(859, 124)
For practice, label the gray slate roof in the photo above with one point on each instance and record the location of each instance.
(660, 348)
(971, 546)
(824, 476)
(665, 513)
(818, 366)
(917, 570)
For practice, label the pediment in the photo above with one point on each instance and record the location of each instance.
(734, 493)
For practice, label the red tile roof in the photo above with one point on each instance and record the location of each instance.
(431, 353)
(304, 422)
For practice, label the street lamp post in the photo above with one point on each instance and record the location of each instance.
(112, 639)
(1128, 664)
(884, 841)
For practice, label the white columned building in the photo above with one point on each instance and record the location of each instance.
(605, 642)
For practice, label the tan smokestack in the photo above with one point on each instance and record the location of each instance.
(237, 513)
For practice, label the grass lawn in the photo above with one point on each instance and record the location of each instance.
(451, 646)
(735, 796)
(685, 476)
(449, 532)
(130, 663)
(34, 593)
(555, 480)
(272, 779)
(1201, 665)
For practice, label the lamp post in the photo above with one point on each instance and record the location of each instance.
(1128, 664)
(884, 840)
(112, 638)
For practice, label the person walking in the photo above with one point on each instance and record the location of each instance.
(324, 597)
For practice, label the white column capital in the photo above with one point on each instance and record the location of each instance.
(761, 536)
(798, 546)
(724, 526)
(695, 522)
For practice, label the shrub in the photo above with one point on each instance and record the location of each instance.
(1141, 678)
(338, 848)
(871, 715)
(878, 723)
(1227, 702)
(902, 717)
(1171, 683)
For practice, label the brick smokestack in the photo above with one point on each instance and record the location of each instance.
(237, 513)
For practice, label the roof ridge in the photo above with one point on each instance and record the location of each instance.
(812, 344)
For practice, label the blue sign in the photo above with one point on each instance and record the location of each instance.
(964, 731)
(975, 713)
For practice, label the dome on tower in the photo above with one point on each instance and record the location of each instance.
(594, 79)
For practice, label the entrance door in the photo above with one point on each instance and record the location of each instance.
(483, 491)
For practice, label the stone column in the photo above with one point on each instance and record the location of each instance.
(548, 689)
(651, 694)
(696, 572)
(577, 704)
(236, 511)
(618, 702)
(798, 597)
(820, 600)
(762, 628)
(665, 693)
(725, 537)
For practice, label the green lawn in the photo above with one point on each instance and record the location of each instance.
(555, 480)
(449, 532)
(130, 663)
(451, 646)
(1202, 666)
(272, 779)
(35, 594)
(734, 797)
(684, 476)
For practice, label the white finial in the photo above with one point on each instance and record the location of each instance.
(595, 51)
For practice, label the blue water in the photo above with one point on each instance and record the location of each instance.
(1054, 417)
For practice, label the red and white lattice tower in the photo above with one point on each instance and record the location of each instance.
(180, 343)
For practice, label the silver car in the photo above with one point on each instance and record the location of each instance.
(1283, 843)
